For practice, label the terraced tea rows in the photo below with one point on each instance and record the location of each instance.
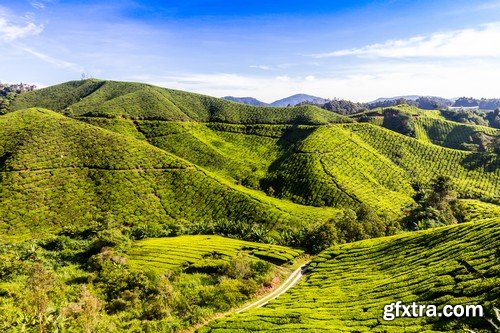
(176, 252)
(423, 161)
(447, 133)
(48, 159)
(349, 285)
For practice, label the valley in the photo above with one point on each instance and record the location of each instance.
(130, 207)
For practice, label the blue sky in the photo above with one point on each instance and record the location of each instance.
(358, 50)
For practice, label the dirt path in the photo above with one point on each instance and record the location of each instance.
(289, 283)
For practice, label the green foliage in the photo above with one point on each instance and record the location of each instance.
(82, 281)
(436, 206)
(399, 122)
(465, 116)
(348, 285)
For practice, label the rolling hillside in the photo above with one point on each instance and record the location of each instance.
(304, 154)
(349, 285)
(57, 171)
(431, 126)
(162, 208)
(201, 252)
(98, 98)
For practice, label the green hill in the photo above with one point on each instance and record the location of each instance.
(199, 252)
(304, 154)
(56, 171)
(141, 101)
(431, 126)
(349, 285)
(93, 193)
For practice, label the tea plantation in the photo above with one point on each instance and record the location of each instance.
(56, 171)
(199, 251)
(348, 285)
(130, 207)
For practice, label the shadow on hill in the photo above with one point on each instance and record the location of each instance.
(458, 136)
(288, 144)
(3, 159)
(487, 161)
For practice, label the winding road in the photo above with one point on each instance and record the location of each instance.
(289, 283)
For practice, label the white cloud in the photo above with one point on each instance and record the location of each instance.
(263, 67)
(40, 4)
(479, 42)
(37, 4)
(10, 32)
(449, 78)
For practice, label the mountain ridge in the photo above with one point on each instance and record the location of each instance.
(292, 100)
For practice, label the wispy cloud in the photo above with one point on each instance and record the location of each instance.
(263, 67)
(40, 4)
(10, 32)
(37, 4)
(478, 42)
(364, 82)
(50, 60)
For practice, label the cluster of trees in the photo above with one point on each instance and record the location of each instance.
(350, 226)
(9, 91)
(465, 116)
(436, 205)
(493, 118)
(344, 107)
(483, 103)
(399, 122)
(426, 103)
(105, 294)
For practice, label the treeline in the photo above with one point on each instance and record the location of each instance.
(483, 103)
(466, 116)
(9, 91)
(346, 107)
(426, 103)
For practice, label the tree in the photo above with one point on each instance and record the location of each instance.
(436, 205)
(320, 237)
(399, 122)
(39, 286)
(86, 311)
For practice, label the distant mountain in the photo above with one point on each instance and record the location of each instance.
(298, 99)
(291, 100)
(385, 99)
(245, 100)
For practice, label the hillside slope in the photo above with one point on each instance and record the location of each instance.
(141, 101)
(431, 126)
(56, 171)
(349, 285)
(303, 154)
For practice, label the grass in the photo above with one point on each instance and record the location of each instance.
(194, 251)
(348, 285)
